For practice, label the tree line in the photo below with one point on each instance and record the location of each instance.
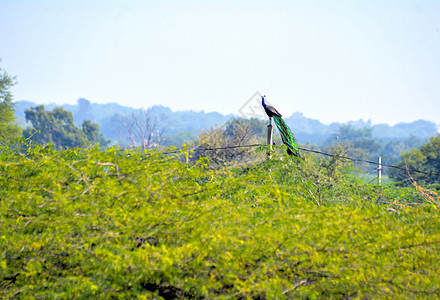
(144, 130)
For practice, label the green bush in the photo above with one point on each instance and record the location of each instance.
(86, 223)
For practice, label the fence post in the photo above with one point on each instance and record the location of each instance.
(379, 171)
(269, 140)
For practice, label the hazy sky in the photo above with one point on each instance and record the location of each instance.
(331, 60)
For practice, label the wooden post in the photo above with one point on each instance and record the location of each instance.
(379, 171)
(269, 138)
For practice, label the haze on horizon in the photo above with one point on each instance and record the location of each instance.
(333, 61)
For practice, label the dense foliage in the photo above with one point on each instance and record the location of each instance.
(86, 223)
(9, 130)
(57, 128)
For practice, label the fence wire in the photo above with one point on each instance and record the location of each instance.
(353, 159)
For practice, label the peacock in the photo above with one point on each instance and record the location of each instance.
(286, 134)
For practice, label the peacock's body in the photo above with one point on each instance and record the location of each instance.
(286, 134)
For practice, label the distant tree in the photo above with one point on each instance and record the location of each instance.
(85, 110)
(93, 133)
(357, 143)
(425, 158)
(91, 130)
(237, 132)
(9, 130)
(356, 138)
(391, 152)
(142, 129)
(57, 127)
(242, 131)
(258, 127)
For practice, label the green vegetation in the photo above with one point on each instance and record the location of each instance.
(87, 223)
(391, 140)
(57, 128)
(362, 144)
(425, 159)
(9, 130)
(236, 132)
(225, 223)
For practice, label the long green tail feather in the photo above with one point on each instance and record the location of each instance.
(287, 136)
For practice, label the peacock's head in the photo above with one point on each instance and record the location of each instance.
(262, 101)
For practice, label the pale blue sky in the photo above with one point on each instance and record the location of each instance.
(331, 60)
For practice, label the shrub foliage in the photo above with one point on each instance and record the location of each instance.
(86, 223)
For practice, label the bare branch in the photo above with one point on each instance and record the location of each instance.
(140, 129)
